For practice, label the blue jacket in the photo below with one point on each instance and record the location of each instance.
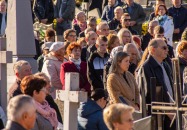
(108, 12)
(90, 116)
(179, 19)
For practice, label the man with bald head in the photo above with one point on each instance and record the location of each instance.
(149, 35)
(155, 66)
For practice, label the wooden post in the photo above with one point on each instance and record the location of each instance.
(71, 97)
(5, 57)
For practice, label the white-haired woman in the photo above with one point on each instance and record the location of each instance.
(125, 36)
(52, 64)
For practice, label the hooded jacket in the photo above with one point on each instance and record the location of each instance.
(90, 116)
(51, 68)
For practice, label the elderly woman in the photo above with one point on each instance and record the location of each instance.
(125, 36)
(134, 54)
(118, 117)
(165, 21)
(113, 41)
(52, 63)
(49, 98)
(35, 87)
(90, 113)
(81, 23)
(121, 84)
(75, 65)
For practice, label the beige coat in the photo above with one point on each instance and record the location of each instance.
(117, 86)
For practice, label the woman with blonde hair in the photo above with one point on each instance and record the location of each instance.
(125, 36)
(121, 84)
(118, 117)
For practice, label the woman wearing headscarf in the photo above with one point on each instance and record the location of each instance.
(109, 62)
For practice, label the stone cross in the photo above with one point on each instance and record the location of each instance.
(5, 57)
(20, 35)
(71, 97)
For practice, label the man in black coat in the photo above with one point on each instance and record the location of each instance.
(21, 69)
(43, 11)
(154, 66)
(114, 23)
(179, 14)
(149, 35)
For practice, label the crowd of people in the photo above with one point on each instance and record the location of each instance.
(113, 59)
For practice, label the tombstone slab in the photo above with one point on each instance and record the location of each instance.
(71, 100)
(20, 35)
(5, 57)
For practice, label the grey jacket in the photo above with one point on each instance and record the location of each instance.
(65, 9)
(137, 15)
(42, 123)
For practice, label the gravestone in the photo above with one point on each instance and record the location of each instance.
(71, 97)
(20, 35)
(5, 57)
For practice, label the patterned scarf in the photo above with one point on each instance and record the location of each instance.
(76, 62)
(162, 19)
(47, 112)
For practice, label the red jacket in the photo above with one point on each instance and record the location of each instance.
(70, 67)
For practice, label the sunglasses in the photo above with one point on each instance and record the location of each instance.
(127, 20)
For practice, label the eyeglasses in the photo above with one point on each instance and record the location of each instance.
(72, 35)
(164, 48)
(44, 90)
(127, 20)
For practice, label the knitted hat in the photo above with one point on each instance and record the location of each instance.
(56, 46)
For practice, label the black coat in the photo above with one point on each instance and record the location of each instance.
(113, 24)
(152, 69)
(43, 9)
(179, 19)
(145, 40)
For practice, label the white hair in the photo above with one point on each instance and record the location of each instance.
(18, 65)
(119, 7)
(19, 105)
